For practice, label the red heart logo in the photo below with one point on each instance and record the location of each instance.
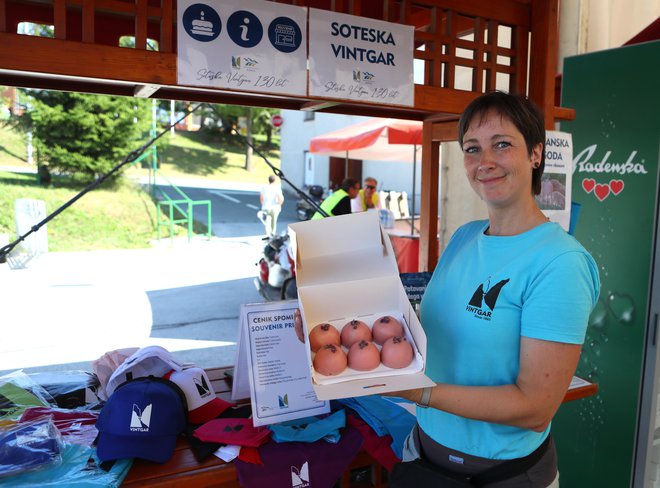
(602, 191)
(588, 184)
(616, 186)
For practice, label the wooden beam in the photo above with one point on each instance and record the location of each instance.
(510, 12)
(3, 15)
(141, 25)
(428, 224)
(445, 131)
(88, 21)
(543, 56)
(59, 19)
(316, 105)
(562, 113)
(435, 99)
(166, 23)
(70, 58)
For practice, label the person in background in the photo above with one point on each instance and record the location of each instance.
(367, 198)
(271, 199)
(339, 203)
(505, 312)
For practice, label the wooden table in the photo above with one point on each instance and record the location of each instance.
(183, 469)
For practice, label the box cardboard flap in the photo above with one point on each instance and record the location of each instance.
(372, 386)
(342, 248)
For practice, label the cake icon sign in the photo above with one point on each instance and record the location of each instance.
(202, 22)
(202, 27)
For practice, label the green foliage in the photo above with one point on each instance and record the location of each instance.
(38, 30)
(85, 135)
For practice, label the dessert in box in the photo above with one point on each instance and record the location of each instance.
(369, 338)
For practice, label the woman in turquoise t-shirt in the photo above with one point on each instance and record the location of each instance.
(506, 311)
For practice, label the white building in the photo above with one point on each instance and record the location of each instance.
(304, 168)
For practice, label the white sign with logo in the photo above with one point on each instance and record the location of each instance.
(360, 59)
(247, 45)
(276, 356)
(555, 197)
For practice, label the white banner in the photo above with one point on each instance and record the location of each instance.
(247, 45)
(360, 59)
(556, 182)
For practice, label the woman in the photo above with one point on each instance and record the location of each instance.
(506, 311)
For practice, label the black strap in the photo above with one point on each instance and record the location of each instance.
(503, 471)
(511, 468)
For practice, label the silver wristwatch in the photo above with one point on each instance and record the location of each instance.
(426, 397)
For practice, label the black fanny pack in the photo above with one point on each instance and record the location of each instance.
(421, 473)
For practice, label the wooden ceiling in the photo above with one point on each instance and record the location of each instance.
(452, 37)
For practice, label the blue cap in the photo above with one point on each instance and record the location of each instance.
(142, 419)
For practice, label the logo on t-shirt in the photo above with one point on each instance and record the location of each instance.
(300, 477)
(485, 295)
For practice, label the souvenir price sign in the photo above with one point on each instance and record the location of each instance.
(273, 356)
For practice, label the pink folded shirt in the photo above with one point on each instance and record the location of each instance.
(238, 432)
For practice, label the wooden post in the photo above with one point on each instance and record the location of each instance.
(428, 224)
(543, 56)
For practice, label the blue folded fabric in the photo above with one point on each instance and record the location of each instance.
(310, 429)
(384, 417)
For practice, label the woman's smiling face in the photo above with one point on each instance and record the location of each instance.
(497, 162)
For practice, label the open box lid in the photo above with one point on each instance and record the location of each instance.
(342, 248)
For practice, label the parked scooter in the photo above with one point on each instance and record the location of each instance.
(277, 270)
(303, 208)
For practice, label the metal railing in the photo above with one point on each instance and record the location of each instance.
(184, 206)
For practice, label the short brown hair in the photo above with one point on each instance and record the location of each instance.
(522, 112)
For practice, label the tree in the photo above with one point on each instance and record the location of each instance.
(85, 135)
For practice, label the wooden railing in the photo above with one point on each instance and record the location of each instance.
(467, 47)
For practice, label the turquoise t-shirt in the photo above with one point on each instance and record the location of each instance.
(485, 293)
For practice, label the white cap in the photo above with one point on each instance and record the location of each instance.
(203, 404)
(147, 361)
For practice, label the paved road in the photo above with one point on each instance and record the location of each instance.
(234, 211)
(67, 309)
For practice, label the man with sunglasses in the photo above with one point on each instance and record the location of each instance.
(367, 198)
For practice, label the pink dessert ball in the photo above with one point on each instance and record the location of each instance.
(363, 356)
(323, 334)
(386, 327)
(330, 360)
(397, 352)
(355, 331)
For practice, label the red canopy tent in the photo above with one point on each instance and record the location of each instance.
(371, 139)
(376, 139)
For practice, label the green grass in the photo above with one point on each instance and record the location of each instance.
(120, 218)
(123, 217)
(12, 148)
(217, 158)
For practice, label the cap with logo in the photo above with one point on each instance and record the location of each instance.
(147, 361)
(203, 405)
(142, 419)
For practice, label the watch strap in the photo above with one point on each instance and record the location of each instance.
(426, 397)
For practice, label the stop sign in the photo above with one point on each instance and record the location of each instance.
(276, 120)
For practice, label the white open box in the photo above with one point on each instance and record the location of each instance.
(346, 269)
